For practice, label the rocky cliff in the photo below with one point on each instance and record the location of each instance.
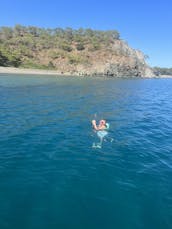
(118, 60)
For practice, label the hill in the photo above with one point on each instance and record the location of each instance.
(80, 52)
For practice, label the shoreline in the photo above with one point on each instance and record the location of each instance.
(13, 70)
(164, 76)
(33, 71)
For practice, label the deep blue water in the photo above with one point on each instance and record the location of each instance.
(51, 177)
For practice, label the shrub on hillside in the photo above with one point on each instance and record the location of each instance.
(80, 47)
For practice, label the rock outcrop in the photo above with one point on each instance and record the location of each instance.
(121, 61)
(117, 60)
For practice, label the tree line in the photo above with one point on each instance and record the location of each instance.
(22, 44)
(162, 71)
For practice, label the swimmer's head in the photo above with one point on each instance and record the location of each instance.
(102, 122)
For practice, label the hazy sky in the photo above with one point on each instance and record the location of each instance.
(146, 24)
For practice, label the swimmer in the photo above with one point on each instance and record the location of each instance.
(101, 130)
(103, 125)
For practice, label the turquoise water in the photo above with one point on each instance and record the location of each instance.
(51, 177)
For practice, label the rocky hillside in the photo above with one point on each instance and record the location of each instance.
(80, 52)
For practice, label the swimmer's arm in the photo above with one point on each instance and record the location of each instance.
(101, 128)
(94, 125)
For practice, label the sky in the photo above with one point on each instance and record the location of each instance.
(145, 24)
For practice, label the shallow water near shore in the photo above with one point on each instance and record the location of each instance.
(51, 177)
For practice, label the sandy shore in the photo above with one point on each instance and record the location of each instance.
(12, 70)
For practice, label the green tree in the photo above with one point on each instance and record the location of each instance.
(6, 33)
(69, 34)
(3, 60)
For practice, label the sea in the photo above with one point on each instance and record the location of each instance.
(51, 176)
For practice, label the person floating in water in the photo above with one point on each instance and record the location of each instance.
(102, 131)
(103, 125)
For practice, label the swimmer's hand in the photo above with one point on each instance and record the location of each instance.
(93, 122)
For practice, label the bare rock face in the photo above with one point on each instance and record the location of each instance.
(127, 62)
(117, 60)
(136, 69)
